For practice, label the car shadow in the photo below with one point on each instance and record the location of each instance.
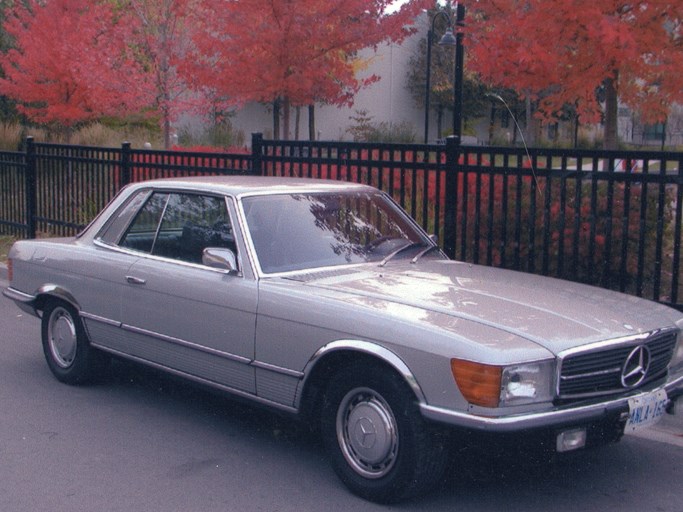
(229, 410)
(488, 478)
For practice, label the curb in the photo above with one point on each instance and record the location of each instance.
(668, 430)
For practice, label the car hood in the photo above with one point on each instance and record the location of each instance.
(553, 313)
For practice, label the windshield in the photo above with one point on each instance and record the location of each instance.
(298, 231)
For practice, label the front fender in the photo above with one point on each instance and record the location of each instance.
(361, 347)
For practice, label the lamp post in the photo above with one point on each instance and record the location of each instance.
(448, 40)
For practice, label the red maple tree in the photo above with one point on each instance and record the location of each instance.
(69, 62)
(161, 36)
(292, 52)
(562, 53)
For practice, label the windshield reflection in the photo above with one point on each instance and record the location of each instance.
(298, 231)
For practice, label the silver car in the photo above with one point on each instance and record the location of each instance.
(324, 299)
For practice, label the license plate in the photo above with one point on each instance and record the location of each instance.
(646, 410)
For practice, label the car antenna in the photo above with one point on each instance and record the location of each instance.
(519, 129)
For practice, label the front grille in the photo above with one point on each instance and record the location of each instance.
(597, 371)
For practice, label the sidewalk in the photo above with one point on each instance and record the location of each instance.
(672, 424)
(668, 430)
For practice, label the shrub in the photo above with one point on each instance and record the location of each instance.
(365, 130)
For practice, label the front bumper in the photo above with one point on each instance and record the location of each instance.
(556, 417)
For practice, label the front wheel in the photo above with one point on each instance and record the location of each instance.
(376, 439)
(66, 347)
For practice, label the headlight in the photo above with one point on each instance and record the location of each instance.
(500, 386)
(527, 383)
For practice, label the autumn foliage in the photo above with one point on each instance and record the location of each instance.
(76, 60)
(297, 52)
(562, 53)
(301, 50)
(71, 63)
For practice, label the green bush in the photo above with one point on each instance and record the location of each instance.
(366, 130)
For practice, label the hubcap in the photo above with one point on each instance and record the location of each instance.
(61, 337)
(367, 433)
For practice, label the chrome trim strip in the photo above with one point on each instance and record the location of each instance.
(277, 369)
(100, 319)
(200, 380)
(59, 292)
(188, 344)
(631, 339)
(148, 256)
(366, 347)
(202, 348)
(567, 414)
(590, 374)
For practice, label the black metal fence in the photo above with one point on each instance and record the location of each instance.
(611, 218)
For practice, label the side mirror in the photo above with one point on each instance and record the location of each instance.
(220, 258)
(434, 238)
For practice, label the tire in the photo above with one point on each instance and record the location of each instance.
(67, 350)
(375, 437)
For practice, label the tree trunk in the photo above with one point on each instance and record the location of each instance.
(530, 135)
(297, 118)
(492, 122)
(611, 140)
(439, 122)
(311, 123)
(276, 119)
(167, 129)
(286, 112)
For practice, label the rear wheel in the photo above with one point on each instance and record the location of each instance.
(66, 347)
(376, 439)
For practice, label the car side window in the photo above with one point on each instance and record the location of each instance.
(180, 226)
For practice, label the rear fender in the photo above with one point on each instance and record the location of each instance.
(48, 291)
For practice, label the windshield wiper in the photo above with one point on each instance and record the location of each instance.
(405, 247)
(423, 252)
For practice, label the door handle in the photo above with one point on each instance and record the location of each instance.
(135, 280)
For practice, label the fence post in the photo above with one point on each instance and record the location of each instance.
(451, 206)
(257, 153)
(30, 187)
(124, 178)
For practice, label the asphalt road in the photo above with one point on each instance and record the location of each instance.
(139, 441)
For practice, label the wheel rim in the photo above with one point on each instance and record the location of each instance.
(62, 337)
(367, 433)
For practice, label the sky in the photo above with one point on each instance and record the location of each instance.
(397, 4)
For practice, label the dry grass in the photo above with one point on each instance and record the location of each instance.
(96, 134)
(5, 244)
(103, 136)
(11, 135)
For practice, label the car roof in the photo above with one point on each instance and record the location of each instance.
(252, 185)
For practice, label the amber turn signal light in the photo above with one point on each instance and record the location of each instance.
(478, 383)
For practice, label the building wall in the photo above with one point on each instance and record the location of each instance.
(387, 100)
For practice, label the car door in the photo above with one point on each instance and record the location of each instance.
(178, 313)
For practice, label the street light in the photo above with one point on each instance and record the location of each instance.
(448, 40)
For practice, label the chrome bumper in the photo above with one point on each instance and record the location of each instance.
(563, 415)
